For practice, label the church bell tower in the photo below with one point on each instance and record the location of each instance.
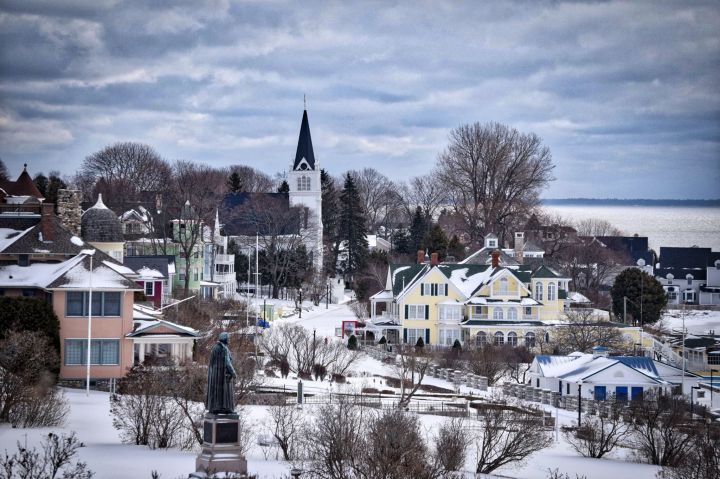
(306, 190)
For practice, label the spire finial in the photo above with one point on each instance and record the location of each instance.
(25, 167)
(304, 102)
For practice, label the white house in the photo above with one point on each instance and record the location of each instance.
(599, 377)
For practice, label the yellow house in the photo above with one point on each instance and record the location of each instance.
(472, 303)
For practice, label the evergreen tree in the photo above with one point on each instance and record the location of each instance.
(456, 249)
(401, 242)
(352, 342)
(436, 241)
(41, 182)
(352, 226)
(640, 288)
(284, 187)
(234, 183)
(418, 230)
(330, 209)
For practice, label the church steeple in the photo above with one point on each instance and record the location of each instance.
(305, 156)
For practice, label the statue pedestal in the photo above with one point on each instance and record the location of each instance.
(221, 446)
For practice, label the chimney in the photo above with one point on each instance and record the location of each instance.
(69, 211)
(46, 214)
(495, 258)
(420, 256)
(519, 246)
(434, 259)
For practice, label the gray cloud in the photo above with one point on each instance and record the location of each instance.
(626, 94)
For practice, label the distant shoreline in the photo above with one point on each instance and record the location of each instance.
(630, 202)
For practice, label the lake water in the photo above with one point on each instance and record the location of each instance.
(663, 225)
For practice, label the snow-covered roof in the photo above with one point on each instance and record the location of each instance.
(35, 275)
(526, 301)
(149, 273)
(468, 280)
(383, 295)
(9, 235)
(578, 366)
(145, 328)
(575, 297)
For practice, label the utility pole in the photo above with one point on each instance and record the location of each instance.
(579, 403)
(682, 387)
(625, 309)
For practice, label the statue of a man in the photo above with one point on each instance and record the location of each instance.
(221, 379)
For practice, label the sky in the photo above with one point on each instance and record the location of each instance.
(625, 94)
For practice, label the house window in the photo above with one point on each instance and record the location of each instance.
(149, 285)
(481, 338)
(529, 340)
(448, 336)
(538, 291)
(414, 334)
(104, 303)
(512, 313)
(182, 277)
(689, 279)
(528, 311)
(497, 313)
(450, 313)
(104, 351)
(196, 275)
(434, 289)
(512, 338)
(551, 292)
(415, 311)
(23, 260)
(503, 285)
(478, 312)
(499, 338)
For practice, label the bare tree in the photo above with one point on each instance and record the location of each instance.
(285, 425)
(599, 435)
(508, 436)
(411, 365)
(378, 195)
(488, 361)
(251, 180)
(426, 192)
(334, 443)
(660, 430)
(583, 331)
(702, 460)
(451, 445)
(123, 170)
(493, 174)
(596, 227)
(193, 202)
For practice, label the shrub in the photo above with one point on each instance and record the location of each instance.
(420, 343)
(383, 340)
(30, 314)
(352, 342)
(456, 345)
(54, 460)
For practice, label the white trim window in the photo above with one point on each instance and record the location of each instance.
(498, 314)
(413, 334)
(303, 183)
(449, 312)
(512, 313)
(149, 288)
(448, 336)
(512, 339)
(503, 285)
(415, 311)
(538, 291)
(529, 339)
(499, 339)
(551, 291)
(104, 352)
(481, 338)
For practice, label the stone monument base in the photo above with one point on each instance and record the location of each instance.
(221, 451)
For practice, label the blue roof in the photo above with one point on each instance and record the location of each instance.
(639, 363)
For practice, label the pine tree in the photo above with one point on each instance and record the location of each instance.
(418, 230)
(330, 210)
(456, 249)
(284, 187)
(234, 183)
(651, 295)
(352, 226)
(436, 241)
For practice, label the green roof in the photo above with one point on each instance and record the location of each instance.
(402, 275)
(544, 272)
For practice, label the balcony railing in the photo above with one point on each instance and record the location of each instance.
(479, 316)
(224, 259)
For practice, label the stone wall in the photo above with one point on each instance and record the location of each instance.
(69, 211)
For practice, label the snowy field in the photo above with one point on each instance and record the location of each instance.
(696, 321)
(90, 418)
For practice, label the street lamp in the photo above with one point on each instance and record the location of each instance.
(579, 402)
(90, 253)
(300, 303)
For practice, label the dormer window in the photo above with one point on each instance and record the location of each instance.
(689, 279)
(492, 243)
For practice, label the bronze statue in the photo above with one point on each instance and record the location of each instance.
(221, 378)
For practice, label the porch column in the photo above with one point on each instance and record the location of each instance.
(141, 355)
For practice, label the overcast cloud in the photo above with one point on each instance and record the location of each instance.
(625, 94)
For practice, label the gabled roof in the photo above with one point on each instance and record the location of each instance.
(156, 263)
(144, 327)
(468, 278)
(30, 242)
(529, 246)
(23, 186)
(483, 256)
(304, 156)
(544, 272)
(403, 276)
(103, 276)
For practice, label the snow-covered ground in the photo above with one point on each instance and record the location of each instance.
(696, 321)
(90, 418)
